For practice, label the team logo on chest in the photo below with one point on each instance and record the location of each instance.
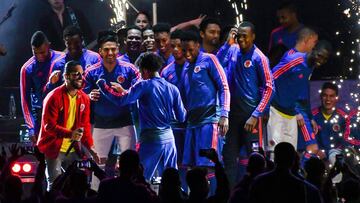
(336, 127)
(170, 77)
(120, 79)
(247, 64)
(197, 69)
(301, 76)
(82, 107)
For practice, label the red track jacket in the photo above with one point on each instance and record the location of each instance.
(54, 118)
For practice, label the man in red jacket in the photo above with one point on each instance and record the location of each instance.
(65, 119)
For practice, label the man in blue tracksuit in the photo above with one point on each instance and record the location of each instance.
(111, 123)
(174, 73)
(251, 87)
(207, 100)
(34, 75)
(73, 40)
(291, 76)
(331, 121)
(307, 128)
(159, 103)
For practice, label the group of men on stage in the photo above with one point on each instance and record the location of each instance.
(185, 94)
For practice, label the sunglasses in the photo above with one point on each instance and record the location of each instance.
(76, 74)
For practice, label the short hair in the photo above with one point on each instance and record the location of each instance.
(133, 27)
(70, 66)
(151, 62)
(323, 44)
(204, 23)
(329, 85)
(72, 30)
(177, 34)
(306, 32)
(247, 24)
(38, 39)
(106, 36)
(162, 27)
(190, 36)
(145, 13)
(284, 154)
(289, 5)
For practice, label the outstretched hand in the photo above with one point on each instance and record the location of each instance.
(117, 87)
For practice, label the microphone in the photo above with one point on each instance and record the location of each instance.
(73, 142)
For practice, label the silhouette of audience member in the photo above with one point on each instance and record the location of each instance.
(126, 188)
(280, 185)
(350, 191)
(256, 166)
(199, 187)
(13, 191)
(170, 188)
(315, 170)
(75, 188)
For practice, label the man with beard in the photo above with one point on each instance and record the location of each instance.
(73, 40)
(110, 121)
(33, 78)
(159, 104)
(133, 41)
(291, 76)
(210, 29)
(162, 42)
(66, 119)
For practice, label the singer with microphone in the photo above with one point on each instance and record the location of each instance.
(65, 134)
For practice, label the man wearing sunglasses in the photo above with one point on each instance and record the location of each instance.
(66, 119)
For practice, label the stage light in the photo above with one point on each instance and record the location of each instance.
(26, 168)
(16, 168)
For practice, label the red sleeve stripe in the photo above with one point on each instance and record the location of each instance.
(315, 111)
(166, 67)
(137, 73)
(214, 140)
(24, 104)
(305, 133)
(62, 56)
(268, 81)
(287, 66)
(93, 67)
(340, 112)
(113, 92)
(291, 52)
(223, 80)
